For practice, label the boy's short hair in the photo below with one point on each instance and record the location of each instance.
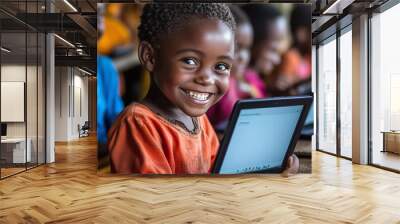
(162, 18)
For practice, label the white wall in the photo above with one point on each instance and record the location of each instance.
(71, 93)
(62, 81)
(12, 73)
(80, 83)
(33, 127)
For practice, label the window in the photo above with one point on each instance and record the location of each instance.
(327, 96)
(346, 93)
(385, 89)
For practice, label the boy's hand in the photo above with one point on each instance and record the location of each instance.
(292, 166)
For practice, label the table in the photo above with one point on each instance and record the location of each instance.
(13, 150)
(391, 141)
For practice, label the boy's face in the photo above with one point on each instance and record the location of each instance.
(192, 65)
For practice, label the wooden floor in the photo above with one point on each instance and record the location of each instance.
(70, 191)
(10, 171)
(5, 172)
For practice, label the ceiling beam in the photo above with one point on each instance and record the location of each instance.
(81, 61)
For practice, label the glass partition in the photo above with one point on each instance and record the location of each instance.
(32, 96)
(22, 89)
(14, 145)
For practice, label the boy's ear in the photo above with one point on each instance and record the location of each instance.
(147, 55)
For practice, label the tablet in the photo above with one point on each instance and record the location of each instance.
(261, 135)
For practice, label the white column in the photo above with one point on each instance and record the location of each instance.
(50, 92)
(360, 90)
(50, 99)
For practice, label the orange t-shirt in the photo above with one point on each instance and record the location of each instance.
(142, 141)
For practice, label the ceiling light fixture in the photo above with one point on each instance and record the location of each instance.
(326, 11)
(84, 71)
(70, 5)
(5, 49)
(337, 7)
(65, 41)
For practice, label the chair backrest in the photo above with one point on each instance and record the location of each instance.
(86, 125)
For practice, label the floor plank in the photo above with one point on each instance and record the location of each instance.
(70, 191)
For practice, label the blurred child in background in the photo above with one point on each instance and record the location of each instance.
(295, 69)
(109, 105)
(135, 79)
(238, 87)
(109, 102)
(270, 30)
(119, 41)
(115, 33)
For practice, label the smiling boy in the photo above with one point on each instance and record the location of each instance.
(188, 49)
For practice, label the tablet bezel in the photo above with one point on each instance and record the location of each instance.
(305, 101)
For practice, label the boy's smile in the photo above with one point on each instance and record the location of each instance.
(198, 97)
(192, 66)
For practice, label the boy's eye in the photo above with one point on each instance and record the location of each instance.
(189, 61)
(222, 67)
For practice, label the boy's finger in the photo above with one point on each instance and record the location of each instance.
(290, 162)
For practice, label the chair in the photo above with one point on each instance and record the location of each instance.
(84, 129)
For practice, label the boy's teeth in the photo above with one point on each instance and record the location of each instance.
(198, 96)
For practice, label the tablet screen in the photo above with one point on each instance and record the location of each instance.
(310, 116)
(260, 139)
